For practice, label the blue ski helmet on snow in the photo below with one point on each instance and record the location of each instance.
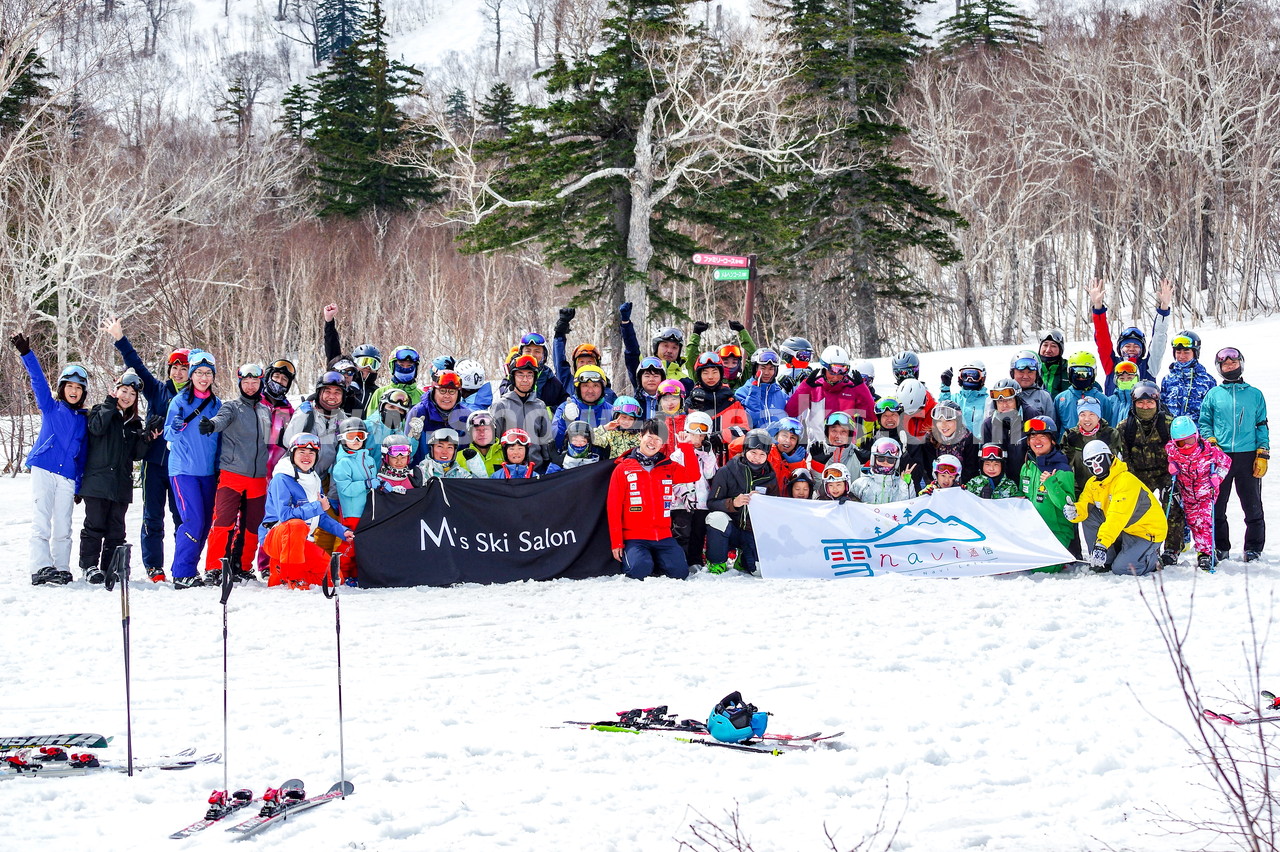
(734, 720)
(1182, 428)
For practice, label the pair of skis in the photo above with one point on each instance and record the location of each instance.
(692, 731)
(1226, 719)
(276, 805)
(57, 762)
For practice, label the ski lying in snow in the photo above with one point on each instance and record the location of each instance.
(658, 719)
(757, 745)
(1232, 720)
(57, 762)
(76, 741)
(283, 802)
(222, 805)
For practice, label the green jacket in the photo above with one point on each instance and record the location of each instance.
(984, 487)
(1058, 490)
(694, 349)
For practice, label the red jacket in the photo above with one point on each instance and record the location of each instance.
(640, 498)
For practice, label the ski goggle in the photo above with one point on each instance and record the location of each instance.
(1003, 393)
(406, 353)
(249, 371)
(1229, 354)
(396, 404)
(829, 475)
(178, 357)
(516, 436)
(1183, 342)
(397, 450)
(970, 375)
(533, 339)
(1081, 372)
(652, 364)
(1027, 364)
(838, 369)
(588, 375)
(789, 424)
(448, 380)
(700, 428)
(74, 373)
(805, 355)
(889, 404)
(839, 418)
(767, 356)
(200, 359)
(947, 468)
(358, 434)
(480, 418)
(991, 454)
(525, 362)
(1037, 425)
(1146, 390)
(730, 350)
(130, 380)
(1126, 367)
(946, 412)
(1188, 441)
(629, 408)
(368, 362)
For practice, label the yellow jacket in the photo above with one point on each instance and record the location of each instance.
(1127, 506)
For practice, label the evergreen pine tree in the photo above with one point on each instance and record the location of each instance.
(499, 110)
(991, 24)
(354, 122)
(338, 25)
(458, 111)
(27, 91)
(235, 111)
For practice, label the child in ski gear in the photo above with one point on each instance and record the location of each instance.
(516, 460)
(392, 419)
(667, 346)
(1003, 424)
(117, 436)
(732, 488)
(689, 512)
(1024, 369)
(296, 508)
(1047, 481)
(835, 483)
(1124, 378)
(620, 435)
(992, 484)
(404, 376)
(950, 436)
(587, 405)
(1234, 416)
(972, 396)
(484, 454)
(193, 458)
(579, 450)
(241, 495)
(1053, 367)
(641, 496)
(671, 413)
(714, 396)
(1082, 370)
(1125, 534)
(57, 464)
(1184, 389)
(799, 485)
(731, 354)
(442, 460)
(275, 391)
(888, 480)
(946, 474)
(1131, 345)
(1197, 467)
(1089, 427)
(355, 474)
(521, 408)
(1143, 436)
(649, 376)
(397, 475)
(764, 400)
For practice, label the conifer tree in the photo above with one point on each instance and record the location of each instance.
(499, 110)
(338, 25)
(28, 89)
(458, 110)
(293, 112)
(992, 24)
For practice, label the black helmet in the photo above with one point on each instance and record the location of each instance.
(671, 334)
(757, 439)
(796, 349)
(330, 379)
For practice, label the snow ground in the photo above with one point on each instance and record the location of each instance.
(995, 713)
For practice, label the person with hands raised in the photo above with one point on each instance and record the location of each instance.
(1132, 344)
(732, 355)
(193, 461)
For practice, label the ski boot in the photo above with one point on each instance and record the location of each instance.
(50, 576)
(1168, 558)
(95, 575)
(187, 582)
(1252, 556)
(156, 575)
(213, 577)
(1204, 561)
(717, 567)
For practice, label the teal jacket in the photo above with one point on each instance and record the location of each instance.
(1235, 415)
(354, 473)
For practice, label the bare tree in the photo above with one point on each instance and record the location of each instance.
(156, 12)
(535, 13)
(493, 11)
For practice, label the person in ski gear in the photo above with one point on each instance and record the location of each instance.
(193, 466)
(799, 485)
(667, 346)
(647, 378)
(1053, 367)
(275, 392)
(714, 396)
(442, 460)
(1047, 481)
(296, 508)
(950, 437)
(587, 405)
(887, 479)
(355, 474)
(392, 419)
(991, 483)
(796, 354)
(836, 446)
(473, 381)
(1197, 467)
(397, 475)
(578, 449)
(517, 461)
(521, 408)
(835, 483)
(972, 396)
(760, 395)
(545, 384)
(244, 426)
(439, 364)
(889, 414)
(404, 376)
(1125, 535)
(323, 419)
(483, 455)
(671, 412)
(621, 434)
(1124, 378)
(731, 354)
(946, 474)
(905, 365)
(639, 506)
(440, 408)
(689, 508)
(917, 406)
(157, 491)
(1131, 345)
(354, 398)
(57, 462)
(1003, 424)
(1090, 426)
(1024, 369)
(1143, 436)
(732, 489)
(789, 453)
(1234, 416)
(1184, 389)
(584, 354)
(117, 437)
(1082, 371)
(366, 358)
(833, 386)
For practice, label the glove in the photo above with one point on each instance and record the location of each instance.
(206, 426)
(1069, 512)
(818, 452)
(1212, 440)
(305, 406)
(77, 499)
(624, 312)
(398, 489)
(154, 423)
(1260, 464)
(415, 427)
(699, 327)
(947, 376)
(562, 324)
(1098, 559)
(736, 326)
(812, 379)
(21, 343)
(571, 411)
(854, 377)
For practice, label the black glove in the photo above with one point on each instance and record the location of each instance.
(736, 326)
(855, 378)
(812, 379)
(818, 452)
(154, 423)
(624, 312)
(562, 324)
(21, 343)
(77, 499)
(206, 426)
(699, 327)
(947, 376)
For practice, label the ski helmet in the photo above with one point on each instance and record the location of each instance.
(669, 334)
(396, 445)
(867, 370)
(367, 357)
(674, 386)
(887, 404)
(946, 460)
(911, 394)
(1054, 335)
(249, 371)
(589, 373)
(1097, 457)
(835, 472)
(404, 375)
(838, 418)
(471, 373)
(651, 364)
(796, 349)
(444, 434)
(130, 379)
(801, 474)
(527, 363)
(699, 419)
(480, 417)
(834, 357)
(705, 360)
(179, 357)
(1041, 426)
(766, 356)
(948, 409)
(1146, 389)
(577, 427)
(515, 436)
(730, 350)
(1082, 369)
(330, 379)
(74, 374)
(1004, 388)
(886, 453)
(586, 350)
(1024, 359)
(1182, 428)
(285, 367)
(441, 363)
(905, 365)
(351, 425)
(534, 339)
(757, 439)
(972, 375)
(1187, 340)
(395, 399)
(304, 441)
(627, 405)
(991, 452)
(786, 424)
(1133, 334)
(1230, 353)
(448, 380)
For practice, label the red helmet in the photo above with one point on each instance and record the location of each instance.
(179, 356)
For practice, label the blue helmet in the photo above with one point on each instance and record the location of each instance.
(1133, 334)
(1183, 427)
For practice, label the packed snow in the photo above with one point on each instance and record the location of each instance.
(1004, 713)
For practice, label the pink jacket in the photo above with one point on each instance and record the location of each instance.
(1200, 471)
(842, 396)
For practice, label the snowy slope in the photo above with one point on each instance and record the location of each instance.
(997, 713)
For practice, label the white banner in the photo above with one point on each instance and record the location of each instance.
(948, 534)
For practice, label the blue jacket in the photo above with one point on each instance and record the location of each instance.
(973, 405)
(1120, 403)
(286, 500)
(1184, 389)
(528, 470)
(378, 431)
(60, 446)
(190, 453)
(1065, 406)
(157, 394)
(764, 403)
(594, 414)
(353, 475)
(1235, 414)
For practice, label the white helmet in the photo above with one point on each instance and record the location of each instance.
(471, 373)
(700, 417)
(911, 394)
(866, 369)
(947, 459)
(835, 472)
(886, 449)
(835, 355)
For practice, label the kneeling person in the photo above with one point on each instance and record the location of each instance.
(296, 507)
(1127, 537)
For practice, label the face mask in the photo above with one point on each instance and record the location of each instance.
(1233, 375)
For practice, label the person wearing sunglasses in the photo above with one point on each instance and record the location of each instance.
(1234, 416)
(355, 474)
(57, 464)
(950, 437)
(1143, 436)
(1122, 521)
(993, 483)
(972, 396)
(441, 407)
(1132, 344)
(1198, 468)
(763, 398)
(1046, 479)
(1184, 388)
(1002, 424)
(157, 491)
(193, 466)
(639, 505)
(1024, 368)
(587, 404)
(241, 495)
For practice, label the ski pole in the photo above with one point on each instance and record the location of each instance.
(332, 579)
(226, 594)
(119, 572)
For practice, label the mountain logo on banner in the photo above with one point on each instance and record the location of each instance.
(854, 556)
(927, 527)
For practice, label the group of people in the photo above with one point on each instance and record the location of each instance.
(266, 488)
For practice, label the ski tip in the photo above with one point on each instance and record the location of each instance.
(346, 788)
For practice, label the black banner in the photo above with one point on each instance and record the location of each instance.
(488, 531)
